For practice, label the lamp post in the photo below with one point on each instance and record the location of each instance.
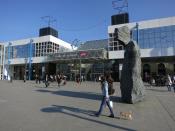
(80, 70)
(25, 61)
(137, 28)
(9, 57)
(30, 57)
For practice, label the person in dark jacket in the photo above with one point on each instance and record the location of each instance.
(47, 80)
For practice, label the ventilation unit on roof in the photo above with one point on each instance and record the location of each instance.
(48, 31)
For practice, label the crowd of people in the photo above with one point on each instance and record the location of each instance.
(161, 80)
(59, 78)
(170, 82)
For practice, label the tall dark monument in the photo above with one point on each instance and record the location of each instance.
(131, 84)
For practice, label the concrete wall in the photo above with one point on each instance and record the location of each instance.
(153, 52)
(146, 24)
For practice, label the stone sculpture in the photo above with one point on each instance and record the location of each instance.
(131, 84)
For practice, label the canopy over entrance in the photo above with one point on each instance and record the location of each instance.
(85, 56)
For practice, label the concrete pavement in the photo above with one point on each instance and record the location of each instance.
(32, 107)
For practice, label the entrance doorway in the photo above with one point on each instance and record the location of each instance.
(146, 72)
(161, 69)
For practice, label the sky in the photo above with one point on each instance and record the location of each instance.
(74, 19)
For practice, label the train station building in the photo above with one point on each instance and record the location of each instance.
(47, 54)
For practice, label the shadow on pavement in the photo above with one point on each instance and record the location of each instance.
(72, 111)
(157, 90)
(85, 95)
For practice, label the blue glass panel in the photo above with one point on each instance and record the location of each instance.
(151, 35)
(146, 45)
(162, 29)
(157, 30)
(146, 35)
(173, 27)
(146, 30)
(165, 28)
(152, 43)
(20, 51)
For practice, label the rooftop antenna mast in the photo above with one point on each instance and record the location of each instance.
(49, 20)
(120, 5)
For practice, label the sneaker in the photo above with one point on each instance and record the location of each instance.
(96, 114)
(112, 116)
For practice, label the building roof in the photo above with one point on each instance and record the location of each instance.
(94, 44)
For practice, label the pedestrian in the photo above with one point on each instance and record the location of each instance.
(39, 78)
(58, 78)
(11, 78)
(173, 80)
(78, 79)
(24, 78)
(36, 79)
(105, 98)
(110, 81)
(169, 82)
(99, 78)
(47, 80)
(64, 80)
(81, 78)
(51, 78)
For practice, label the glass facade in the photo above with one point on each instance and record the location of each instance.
(113, 43)
(44, 48)
(38, 49)
(19, 51)
(1, 55)
(160, 37)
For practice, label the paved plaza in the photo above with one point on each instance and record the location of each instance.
(32, 107)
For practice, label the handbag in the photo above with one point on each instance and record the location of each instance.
(111, 103)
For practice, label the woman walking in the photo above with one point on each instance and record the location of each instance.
(105, 99)
(169, 82)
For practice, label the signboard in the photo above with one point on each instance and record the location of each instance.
(83, 54)
(88, 54)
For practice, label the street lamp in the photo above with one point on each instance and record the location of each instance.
(9, 57)
(25, 69)
(30, 57)
(137, 28)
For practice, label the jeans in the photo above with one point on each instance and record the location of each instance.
(169, 87)
(173, 87)
(105, 101)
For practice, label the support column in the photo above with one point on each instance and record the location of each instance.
(30, 58)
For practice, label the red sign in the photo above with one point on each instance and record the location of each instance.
(83, 54)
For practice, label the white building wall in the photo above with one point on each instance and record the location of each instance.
(1, 60)
(19, 61)
(61, 42)
(146, 24)
(26, 41)
(40, 59)
(153, 52)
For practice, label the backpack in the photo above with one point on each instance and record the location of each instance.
(111, 90)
